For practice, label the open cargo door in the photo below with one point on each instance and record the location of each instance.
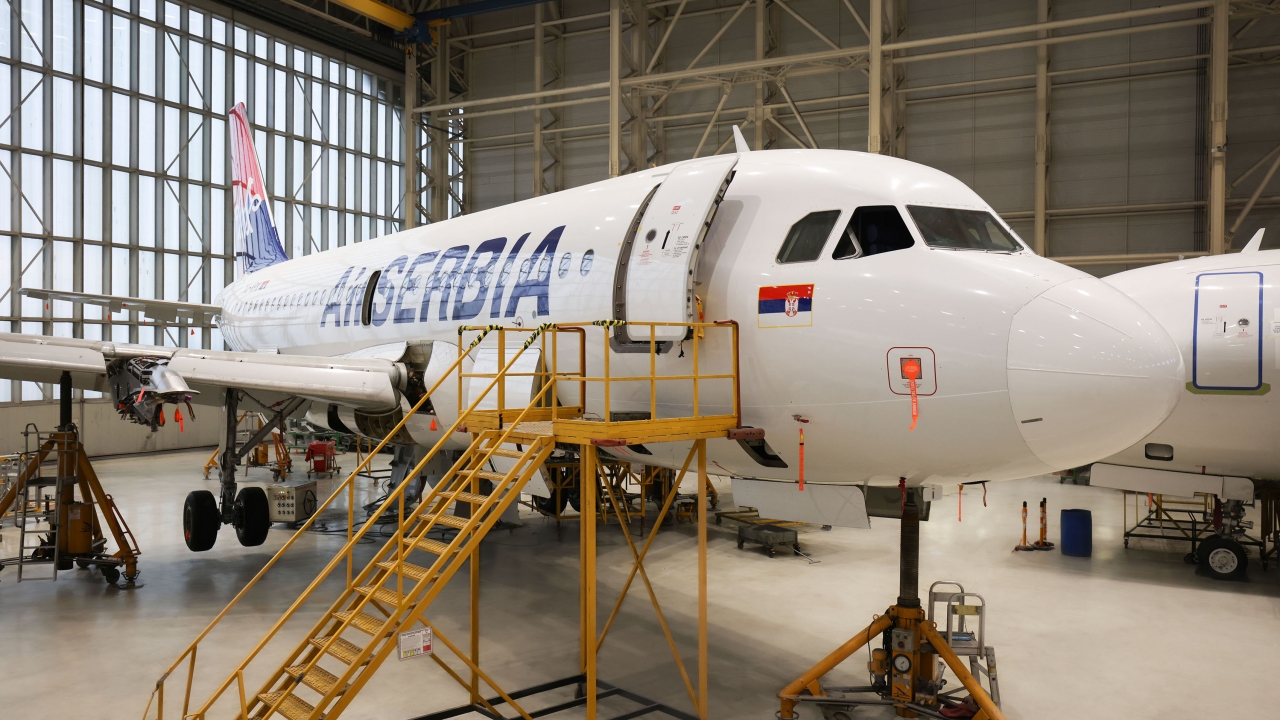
(664, 252)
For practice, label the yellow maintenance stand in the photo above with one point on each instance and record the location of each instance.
(66, 519)
(383, 607)
(906, 666)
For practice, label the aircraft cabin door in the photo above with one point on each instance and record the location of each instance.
(664, 251)
(1226, 349)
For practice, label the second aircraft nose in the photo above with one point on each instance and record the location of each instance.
(1090, 373)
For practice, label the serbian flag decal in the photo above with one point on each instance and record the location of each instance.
(785, 306)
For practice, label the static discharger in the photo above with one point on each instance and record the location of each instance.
(912, 368)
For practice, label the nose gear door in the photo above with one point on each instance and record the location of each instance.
(664, 254)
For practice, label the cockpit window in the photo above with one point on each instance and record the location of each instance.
(872, 230)
(962, 229)
(805, 240)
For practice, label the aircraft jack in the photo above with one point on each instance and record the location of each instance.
(72, 533)
(906, 670)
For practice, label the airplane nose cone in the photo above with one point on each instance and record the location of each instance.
(1090, 373)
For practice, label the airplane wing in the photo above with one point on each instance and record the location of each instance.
(143, 377)
(180, 313)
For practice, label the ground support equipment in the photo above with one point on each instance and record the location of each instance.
(1203, 522)
(66, 511)
(769, 537)
(905, 669)
(388, 600)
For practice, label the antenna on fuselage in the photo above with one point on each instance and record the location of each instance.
(739, 143)
(1255, 242)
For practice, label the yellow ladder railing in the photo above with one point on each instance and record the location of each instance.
(190, 654)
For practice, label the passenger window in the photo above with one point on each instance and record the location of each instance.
(805, 240)
(873, 230)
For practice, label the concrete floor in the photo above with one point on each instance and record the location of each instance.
(1126, 633)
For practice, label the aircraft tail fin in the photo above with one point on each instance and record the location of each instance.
(739, 143)
(257, 244)
(1255, 243)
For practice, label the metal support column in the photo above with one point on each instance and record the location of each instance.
(702, 579)
(615, 91)
(875, 77)
(410, 123)
(639, 53)
(757, 113)
(587, 493)
(439, 129)
(1039, 243)
(1218, 47)
(538, 62)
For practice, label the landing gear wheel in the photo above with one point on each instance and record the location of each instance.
(110, 573)
(1223, 559)
(575, 500)
(548, 505)
(255, 516)
(200, 520)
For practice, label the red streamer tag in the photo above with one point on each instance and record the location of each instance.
(177, 415)
(801, 459)
(912, 369)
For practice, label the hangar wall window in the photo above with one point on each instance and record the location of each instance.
(114, 165)
(873, 230)
(805, 239)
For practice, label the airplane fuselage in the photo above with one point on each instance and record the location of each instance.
(1015, 346)
(1224, 314)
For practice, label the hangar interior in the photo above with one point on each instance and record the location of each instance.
(1108, 135)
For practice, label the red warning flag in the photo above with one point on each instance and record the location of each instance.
(912, 369)
(177, 415)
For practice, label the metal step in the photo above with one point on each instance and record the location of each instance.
(494, 476)
(503, 452)
(453, 521)
(386, 596)
(363, 622)
(344, 650)
(431, 546)
(292, 707)
(470, 497)
(317, 678)
(417, 572)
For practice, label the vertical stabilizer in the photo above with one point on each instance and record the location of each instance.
(257, 244)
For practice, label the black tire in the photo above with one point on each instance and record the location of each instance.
(254, 514)
(1223, 559)
(548, 504)
(83, 564)
(740, 544)
(110, 573)
(200, 520)
(574, 499)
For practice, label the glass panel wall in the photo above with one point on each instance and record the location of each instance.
(114, 167)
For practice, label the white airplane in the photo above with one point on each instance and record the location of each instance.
(841, 267)
(1224, 314)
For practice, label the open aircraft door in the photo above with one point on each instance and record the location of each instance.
(663, 254)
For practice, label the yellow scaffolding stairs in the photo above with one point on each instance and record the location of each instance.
(392, 593)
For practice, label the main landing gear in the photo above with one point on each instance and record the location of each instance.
(245, 509)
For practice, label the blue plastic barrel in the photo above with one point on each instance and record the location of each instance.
(1077, 533)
